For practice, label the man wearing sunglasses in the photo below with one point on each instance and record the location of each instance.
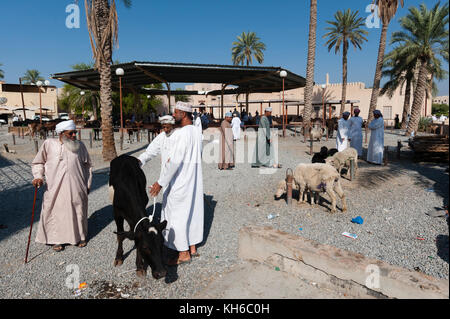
(67, 168)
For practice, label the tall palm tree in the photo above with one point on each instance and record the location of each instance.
(386, 11)
(248, 45)
(346, 28)
(401, 71)
(102, 23)
(309, 87)
(32, 76)
(425, 37)
(2, 73)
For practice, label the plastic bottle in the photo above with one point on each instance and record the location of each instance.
(272, 216)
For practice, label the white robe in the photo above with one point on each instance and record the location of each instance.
(68, 176)
(182, 204)
(160, 145)
(356, 134)
(342, 132)
(236, 127)
(376, 145)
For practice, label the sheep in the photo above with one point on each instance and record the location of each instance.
(316, 177)
(342, 159)
(316, 133)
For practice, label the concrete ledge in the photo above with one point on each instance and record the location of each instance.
(335, 268)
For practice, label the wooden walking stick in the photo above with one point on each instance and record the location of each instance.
(31, 226)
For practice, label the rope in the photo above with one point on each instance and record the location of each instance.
(152, 215)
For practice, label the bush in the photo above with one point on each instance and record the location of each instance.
(423, 123)
(439, 109)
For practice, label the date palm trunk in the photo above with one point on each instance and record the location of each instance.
(344, 78)
(377, 79)
(419, 94)
(310, 63)
(406, 104)
(102, 10)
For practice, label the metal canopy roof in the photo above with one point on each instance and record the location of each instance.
(247, 78)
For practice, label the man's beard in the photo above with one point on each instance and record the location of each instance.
(73, 146)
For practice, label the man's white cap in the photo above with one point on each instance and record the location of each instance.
(65, 126)
(167, 119)
(268, 109)
(228, 114)
(183, 106)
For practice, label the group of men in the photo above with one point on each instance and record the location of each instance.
(65, 165)
(349, 133)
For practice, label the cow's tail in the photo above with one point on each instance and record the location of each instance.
(111, 193)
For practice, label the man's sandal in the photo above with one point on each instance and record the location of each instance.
(58, 248)
(82, 243)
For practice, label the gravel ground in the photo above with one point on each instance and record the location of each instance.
(391, 199)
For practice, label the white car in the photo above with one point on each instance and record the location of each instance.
(64, 116)
(2, 121)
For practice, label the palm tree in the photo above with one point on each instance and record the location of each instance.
(425, 37)
(102, 23)
(386, 11)
(346, 28)
(2, 74)
(248, 45)
(73, 101)
(32, 76)
(309, 87)
(401, 71)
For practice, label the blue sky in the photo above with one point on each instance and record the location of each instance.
(35, 36)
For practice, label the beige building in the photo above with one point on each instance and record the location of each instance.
(357, 95)
(441, 100)
(10, 95)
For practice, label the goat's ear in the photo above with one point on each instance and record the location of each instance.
(162, 226)
(125, 234)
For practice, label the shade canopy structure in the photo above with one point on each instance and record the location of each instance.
(245, 79)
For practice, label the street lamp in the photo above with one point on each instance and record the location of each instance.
(82, 93)
(39, 84)
(120, 72)
(323, 104)
(283, 74)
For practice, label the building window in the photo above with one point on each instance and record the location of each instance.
(387, 112)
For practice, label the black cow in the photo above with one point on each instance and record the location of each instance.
(127, 188)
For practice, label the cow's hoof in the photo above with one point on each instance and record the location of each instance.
(333, 211)
(344, 209)
(118, 262)
(141, 273)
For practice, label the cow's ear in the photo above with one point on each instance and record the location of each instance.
(125, 234)
(162, 226)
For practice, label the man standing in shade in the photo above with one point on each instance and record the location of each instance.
(264, 154)
(182, 180)
(226, 160)
(356, 135)
(376, 145)
(343, 132)
(67, 168)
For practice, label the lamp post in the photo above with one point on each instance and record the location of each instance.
(120, 72)
(39, 85)
(283, 74)
(82, 93)
(323, 104)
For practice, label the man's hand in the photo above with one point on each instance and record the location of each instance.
(37, 182)
(155, 189)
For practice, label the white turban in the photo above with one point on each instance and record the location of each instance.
(167, 119)
(268, 109)
(65, 126)
(183, 106)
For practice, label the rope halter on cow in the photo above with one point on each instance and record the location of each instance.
(150, 219)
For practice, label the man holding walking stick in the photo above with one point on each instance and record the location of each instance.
(66, 165)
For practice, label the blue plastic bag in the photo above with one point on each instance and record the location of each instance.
(358, 220)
